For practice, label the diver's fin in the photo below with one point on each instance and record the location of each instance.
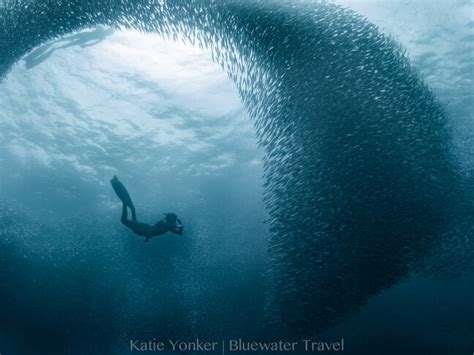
(122, 192)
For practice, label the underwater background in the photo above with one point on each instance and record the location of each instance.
(164, 117)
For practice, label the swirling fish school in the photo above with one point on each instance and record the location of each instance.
(358, 160)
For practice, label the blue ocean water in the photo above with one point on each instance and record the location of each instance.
(324, 189)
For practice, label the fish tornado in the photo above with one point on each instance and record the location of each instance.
(360, 181)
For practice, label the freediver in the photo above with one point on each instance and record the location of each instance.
(171, 222)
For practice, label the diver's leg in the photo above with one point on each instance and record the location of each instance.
(124, 218)
(137, 228)
(134, 216)
(124, 212)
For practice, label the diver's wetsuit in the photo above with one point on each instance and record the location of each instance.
(146, 230)
(170, 223)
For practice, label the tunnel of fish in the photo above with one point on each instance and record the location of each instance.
(360, 183)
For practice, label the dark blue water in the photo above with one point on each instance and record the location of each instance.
(324, 176)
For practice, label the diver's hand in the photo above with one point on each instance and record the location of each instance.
(147, 239)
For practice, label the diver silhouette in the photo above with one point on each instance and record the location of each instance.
(171, 222)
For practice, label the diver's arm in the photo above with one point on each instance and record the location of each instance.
(162, 227)
(158, 229)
